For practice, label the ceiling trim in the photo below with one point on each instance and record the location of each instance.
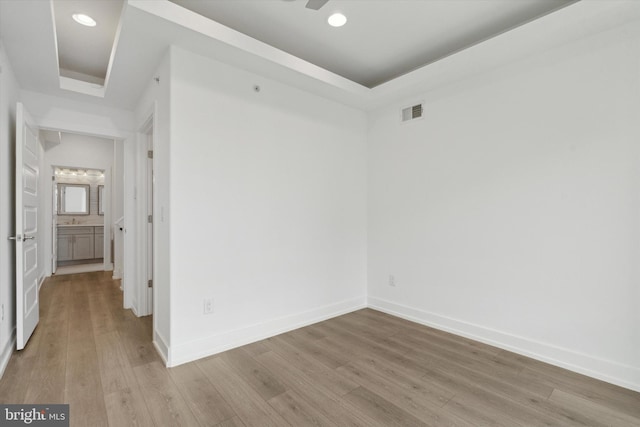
(55, 35)
(572, 22)
(80, 86)
(149, 27)
(114, 47)
(576, 21)
(196, 22)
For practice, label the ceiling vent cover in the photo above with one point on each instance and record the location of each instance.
(412, 113)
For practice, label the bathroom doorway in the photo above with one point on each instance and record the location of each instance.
(78, 220)
(82, 197)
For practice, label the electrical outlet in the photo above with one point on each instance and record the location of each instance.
(208, 305)
(392, 280)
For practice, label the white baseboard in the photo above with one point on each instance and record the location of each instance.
(606, 370)
(5, 356)
(161, 347)
(214, 344)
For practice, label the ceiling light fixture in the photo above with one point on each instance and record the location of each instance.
(83, 19)
(337, 20)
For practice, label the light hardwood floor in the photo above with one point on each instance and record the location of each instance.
(361, 369)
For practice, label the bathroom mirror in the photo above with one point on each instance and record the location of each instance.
(100, 199)
(73, 199)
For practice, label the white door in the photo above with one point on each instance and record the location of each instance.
(27, 151)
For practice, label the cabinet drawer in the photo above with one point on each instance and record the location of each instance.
(65, 231)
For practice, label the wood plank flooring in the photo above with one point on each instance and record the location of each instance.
(362, 369)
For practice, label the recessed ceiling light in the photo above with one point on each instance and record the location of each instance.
(83, 19)
(337, 20)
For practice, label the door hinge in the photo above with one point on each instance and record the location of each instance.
(150, 154)
(150, 283)
(150, 219)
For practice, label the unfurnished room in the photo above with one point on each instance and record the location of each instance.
(320, 213)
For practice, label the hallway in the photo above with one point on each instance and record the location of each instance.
(83, 351)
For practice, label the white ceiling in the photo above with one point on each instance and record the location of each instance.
(148, 27)
(382, 39)
(84, 52)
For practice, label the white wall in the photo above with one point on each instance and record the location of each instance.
(117, 207)
(267, 207)
(8, 98)
(83, 152)
(511, 212)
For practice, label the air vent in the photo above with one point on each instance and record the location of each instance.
(412, 113)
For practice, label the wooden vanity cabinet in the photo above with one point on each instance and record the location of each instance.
(80, 243)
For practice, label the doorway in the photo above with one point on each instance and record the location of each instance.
(120, 198)
(80, 202)
(78, 226)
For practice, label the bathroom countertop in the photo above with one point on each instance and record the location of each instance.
(80, 225)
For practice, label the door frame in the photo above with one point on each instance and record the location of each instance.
(107, 219)
(54, 225)
(108, 212)
(145, 137)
